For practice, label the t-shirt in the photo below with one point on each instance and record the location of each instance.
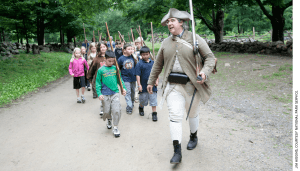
(127, 68)
(118, 53)
(87, 46)
(107, 81)
(113, 43)
(143, 69)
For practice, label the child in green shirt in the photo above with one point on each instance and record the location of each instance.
(108, 92)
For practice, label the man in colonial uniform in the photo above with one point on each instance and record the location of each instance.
(176, 56)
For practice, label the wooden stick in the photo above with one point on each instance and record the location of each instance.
(152, 41)
(132, 36)
(117, 66)
(143, 43)
(99, 36)
(94, 36)
(84, 37)
(121, 37)
(129, 37)
(141, 36)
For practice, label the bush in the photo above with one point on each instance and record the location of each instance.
(25, 73)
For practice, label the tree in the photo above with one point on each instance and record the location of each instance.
(276, 16)
(240, 18)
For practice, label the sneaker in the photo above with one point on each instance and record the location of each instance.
(154, 116)
(89, 88)
(82, 99)
(78, 100)
(101, 113)
(116, 132)
(108, 124)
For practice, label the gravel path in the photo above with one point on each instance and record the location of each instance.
(48, 130)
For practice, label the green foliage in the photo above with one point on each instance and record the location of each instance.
(25, 73)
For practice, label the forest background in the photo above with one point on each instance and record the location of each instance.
(60, 21)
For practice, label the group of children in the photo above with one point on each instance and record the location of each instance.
(99, 68)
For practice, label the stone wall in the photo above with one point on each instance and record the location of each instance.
(275, 48)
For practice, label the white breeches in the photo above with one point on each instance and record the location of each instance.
(178, 101)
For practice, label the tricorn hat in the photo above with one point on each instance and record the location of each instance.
(175, 13)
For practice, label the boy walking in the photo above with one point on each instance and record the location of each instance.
(127, 67)
(107, 89)
(143, 70)
(118, 50)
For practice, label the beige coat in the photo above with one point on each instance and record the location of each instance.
(166, 59)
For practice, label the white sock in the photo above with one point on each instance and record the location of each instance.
(194, 124)
(176, 131)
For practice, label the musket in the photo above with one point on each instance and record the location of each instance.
(129, 37)
(195, 50)
(84, 37)
(117, 66)
(152, 40)
(142, 42)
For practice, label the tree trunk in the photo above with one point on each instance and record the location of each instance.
(218, 26)
(69, 36)
(277, 22)
(40, 26)
(61, 36)
(17, 32)
(3, 34)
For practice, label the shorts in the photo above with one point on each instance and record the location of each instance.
(78, 82)
(145, 97)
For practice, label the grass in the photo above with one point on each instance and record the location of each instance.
(25, 73)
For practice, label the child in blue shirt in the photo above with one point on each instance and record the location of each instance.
(127, 67)
(142, 71)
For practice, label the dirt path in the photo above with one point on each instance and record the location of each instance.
(50, 131)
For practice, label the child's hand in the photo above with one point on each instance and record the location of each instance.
(140, 88)
(124, 93)
(72, 75)
(101, 97)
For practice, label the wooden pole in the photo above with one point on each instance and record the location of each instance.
(121, 37)
(84, 37)
(132, 35)
(94, 36)
(142, 42)
(117, 66)
(141, 36)
(152, 41)
(253, 33)
(99, 36)
(129, 37)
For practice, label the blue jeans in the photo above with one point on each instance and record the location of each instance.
(130, 91)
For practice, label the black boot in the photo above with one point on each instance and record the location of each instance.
(141, 111)
(193, 141)
(154, 116)
(177, 153)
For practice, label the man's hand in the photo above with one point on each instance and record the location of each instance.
(124, 92)
(150, 89)
(156, 83)
(203, 78)
(101, 97)
(140, 88)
